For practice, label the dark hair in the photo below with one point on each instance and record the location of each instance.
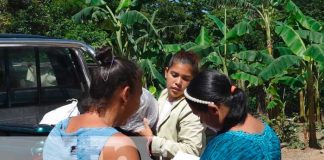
(186, 57)
(112, 73)
(210, 85)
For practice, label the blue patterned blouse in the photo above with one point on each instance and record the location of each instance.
(239, 145)
(84, 144)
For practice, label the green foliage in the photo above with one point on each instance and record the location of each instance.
(253, 80)
(123, 4)
(313, 8)
(34, 19)
(5, 17)
(279, 65)
(307, 22)
(151, 31)
(238, 30)
(316, 52)
(86, 33)
(311, 36)
(292, 39)
(96, 2)
(203, 38)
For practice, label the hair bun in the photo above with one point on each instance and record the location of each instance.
(104, 56)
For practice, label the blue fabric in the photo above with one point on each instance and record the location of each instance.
(84, 144)
(238, 145)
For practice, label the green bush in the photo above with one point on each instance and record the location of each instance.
(287, 130)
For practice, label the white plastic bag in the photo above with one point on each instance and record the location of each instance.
(181, 155)
(58, 114)
(148, 109)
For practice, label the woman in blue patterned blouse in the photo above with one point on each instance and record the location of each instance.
(222, 108)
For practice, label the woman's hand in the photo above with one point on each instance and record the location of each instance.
(146, 132)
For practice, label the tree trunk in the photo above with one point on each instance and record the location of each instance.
(225, 44)
(317, 97)
(261, 101)
(310, 88)
(302, 115)
(268, 32)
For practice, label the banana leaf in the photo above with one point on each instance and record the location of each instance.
(278, 66)
(132, 17)
(201, 50)
(307, 22)
(255, 56)
(151, 70)
(249, 55)
(316, 52)
(85, 14)
(219, 23)
(283, 51)
(237, 31)
(311, 36)
(203, 38)
(95, 2)
(123, 4)
(188, 45)
(242, 67)
(252, 79)
(213, 57)
(171, 48)
(293, 82)
(292, 40)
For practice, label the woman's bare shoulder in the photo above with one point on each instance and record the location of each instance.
(119, 146)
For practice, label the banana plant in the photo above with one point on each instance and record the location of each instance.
(262, 73)
(132, 35)
(312, 56)
(266, 10)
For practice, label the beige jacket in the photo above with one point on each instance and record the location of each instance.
(181, 130)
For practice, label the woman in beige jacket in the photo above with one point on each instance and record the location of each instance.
(178, 129)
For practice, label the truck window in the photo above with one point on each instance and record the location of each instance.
(38, 76)
(61, 80)
(2, 81)
(22, 75)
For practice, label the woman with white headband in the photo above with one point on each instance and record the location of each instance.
(222, 108)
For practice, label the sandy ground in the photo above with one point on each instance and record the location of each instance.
(306, 154)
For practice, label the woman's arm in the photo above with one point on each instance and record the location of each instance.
(190, 137)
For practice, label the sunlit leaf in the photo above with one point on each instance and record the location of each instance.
(123, 4)
(171, 48)
(238, 30)
(252, 79)
(96, 2)
(219, 23)
(279, 65)
(311, 36)
(305, 21)
(316, 52)
(203, 37)
(132, 17)
(292, 40)
(150, 69)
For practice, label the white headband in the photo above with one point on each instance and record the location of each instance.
(195, 99)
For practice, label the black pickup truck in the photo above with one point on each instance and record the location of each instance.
(37, 74)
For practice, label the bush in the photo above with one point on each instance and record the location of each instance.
(287, 130)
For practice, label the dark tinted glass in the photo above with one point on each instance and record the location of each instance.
(38, 76)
